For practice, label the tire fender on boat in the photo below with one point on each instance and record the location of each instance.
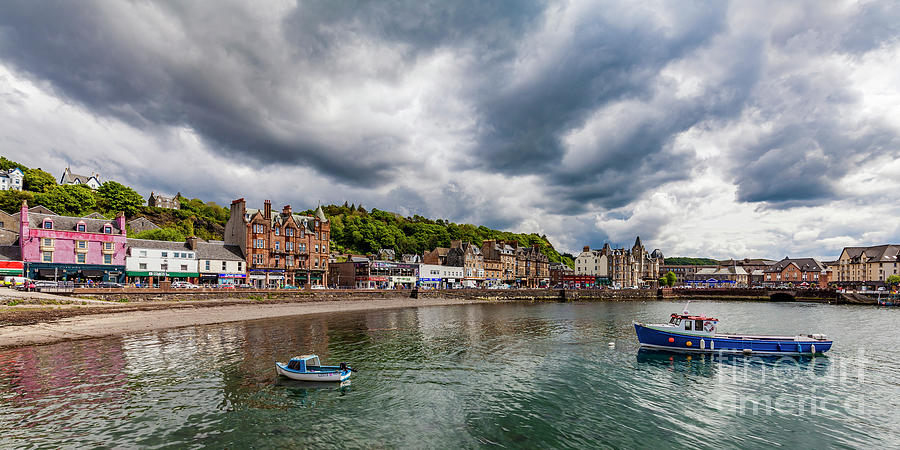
(812, 349)
(702, 344)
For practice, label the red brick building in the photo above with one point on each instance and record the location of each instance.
(797, 272)
(280, 248)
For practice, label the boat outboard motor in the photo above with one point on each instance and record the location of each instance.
(343, 366)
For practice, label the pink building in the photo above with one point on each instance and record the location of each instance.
(72, 248)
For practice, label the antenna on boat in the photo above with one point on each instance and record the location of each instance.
(686, 308)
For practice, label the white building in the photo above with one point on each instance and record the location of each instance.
(68, 177)
(11, 179)
(220, 263)
(592, 262)
(148, 261)
(433, 276)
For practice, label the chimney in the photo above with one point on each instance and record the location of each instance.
(192, 242)
(120, 222)
(286, 210)
(455, 244)
(586, 249)
(267, 210)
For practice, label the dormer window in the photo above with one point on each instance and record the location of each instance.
(107, 229)
(48, 224)
(80, 227)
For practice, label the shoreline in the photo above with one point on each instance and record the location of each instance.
(87, 324)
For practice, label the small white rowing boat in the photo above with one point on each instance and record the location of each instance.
(308, 368)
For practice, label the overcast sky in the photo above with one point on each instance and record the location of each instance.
(742, 129)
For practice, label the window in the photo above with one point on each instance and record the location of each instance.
(687, 325)
(163, 266)
(223, 265)
(165, 254)
(142, 266)
(277, 231)
(48, 224)
(324, 249)
(277, 245)
(107, 246)
(81, 227)
(107, 259)
(287, 231)
(47, 257)
(207, 265)
(79, 258)
(48, 242)
(317, 248)
(184, 267)
(289, 260)
(144, 253)
(107, 229)
(190, 255)
(240, 269)
(317, 262)
(259, 243)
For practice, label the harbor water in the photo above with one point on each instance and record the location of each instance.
(535, 375)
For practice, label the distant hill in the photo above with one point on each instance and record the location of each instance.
(353, 229)
(689, 261)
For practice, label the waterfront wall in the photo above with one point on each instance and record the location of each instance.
(145, 294)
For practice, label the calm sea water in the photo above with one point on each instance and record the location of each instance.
(507, 375)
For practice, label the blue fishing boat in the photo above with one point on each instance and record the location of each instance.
(308, 368)
(692, 333)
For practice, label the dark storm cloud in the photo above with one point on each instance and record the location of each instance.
(256, 88)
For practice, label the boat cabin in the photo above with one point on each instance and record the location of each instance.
(304, 363)
(694, 324)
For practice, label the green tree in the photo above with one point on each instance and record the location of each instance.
(161, 234)
(11, 200)
(670, 278)
(6, 164)
(115, 197)
(893, 280)
(36, 180)
(71, 199)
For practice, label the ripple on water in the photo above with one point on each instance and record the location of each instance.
(536, 375)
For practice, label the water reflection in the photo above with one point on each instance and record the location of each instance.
(709, 364)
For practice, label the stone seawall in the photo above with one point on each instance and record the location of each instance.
(143, 294)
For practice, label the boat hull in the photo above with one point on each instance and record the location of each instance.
(761, 345)
(318, 376)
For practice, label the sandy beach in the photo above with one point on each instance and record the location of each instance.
(104, 319)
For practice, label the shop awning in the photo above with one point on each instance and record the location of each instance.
(11, 271)
(90, 273)
(47, 272)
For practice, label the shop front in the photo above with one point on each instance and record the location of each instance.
(372, 282)
(152, 278)
(266, 279)
(227, 279)
(429, 283)
(401, 282)
(78, 273)
(12, 268)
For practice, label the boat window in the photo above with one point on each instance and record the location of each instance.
(698, 324)
(687, 325)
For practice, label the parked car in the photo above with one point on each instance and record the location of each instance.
(184, 285)
(45, 284)
(317, 286)
(109, 284)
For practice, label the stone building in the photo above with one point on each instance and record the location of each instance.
(624, 267)
(797, 272)
(866, 266)
(220, 264)
(536, 266)
(141, 224)
(499, 262)
(162, 201)
(469, 257)
(280, 248)
(437, 257)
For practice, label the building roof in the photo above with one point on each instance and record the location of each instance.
(66, 223)
(219, 250)
(7, 173)
(877, 253)
(141, 224)
(10, 253)
(150, 244)
(94, 215)
(804, 264)
(71, 178)
(748, 262)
